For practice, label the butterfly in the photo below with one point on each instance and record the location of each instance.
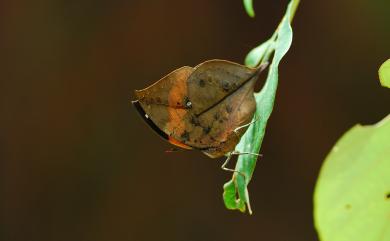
(207, 107)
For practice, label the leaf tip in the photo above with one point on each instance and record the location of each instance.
(248, 4)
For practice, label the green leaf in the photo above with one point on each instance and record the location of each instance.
(384, 74)
(248, 4)
(251, 141)
(255, 56)
(232, 203)
(352, 195)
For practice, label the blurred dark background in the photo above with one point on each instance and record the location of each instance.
(77, 162)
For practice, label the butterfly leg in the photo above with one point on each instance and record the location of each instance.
(245, 153)
(229, 169)
(226, 162)
(230, 156)
(243, 126)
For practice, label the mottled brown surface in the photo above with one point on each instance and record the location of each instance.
(202, 106)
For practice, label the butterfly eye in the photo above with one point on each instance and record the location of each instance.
(188, 104)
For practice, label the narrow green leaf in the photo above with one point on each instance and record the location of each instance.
(248, 4)
(384, 74)
(253, 137)
(255, 56)
(352, 194)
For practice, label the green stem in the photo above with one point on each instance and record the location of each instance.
(294, 9)
(271, 47)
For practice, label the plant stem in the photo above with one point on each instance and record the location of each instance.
(274, 36)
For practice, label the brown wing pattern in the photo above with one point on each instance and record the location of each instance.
(202, 106)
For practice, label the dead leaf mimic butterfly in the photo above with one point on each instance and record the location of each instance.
(206, 108)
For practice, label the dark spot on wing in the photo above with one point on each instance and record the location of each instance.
(206, 130)
(225, 86)
(229, 109)
(194, 120)
(348, 206)
(185, 136)
(388, 196)
(202, 83)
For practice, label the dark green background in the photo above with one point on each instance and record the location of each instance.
(77, 163)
